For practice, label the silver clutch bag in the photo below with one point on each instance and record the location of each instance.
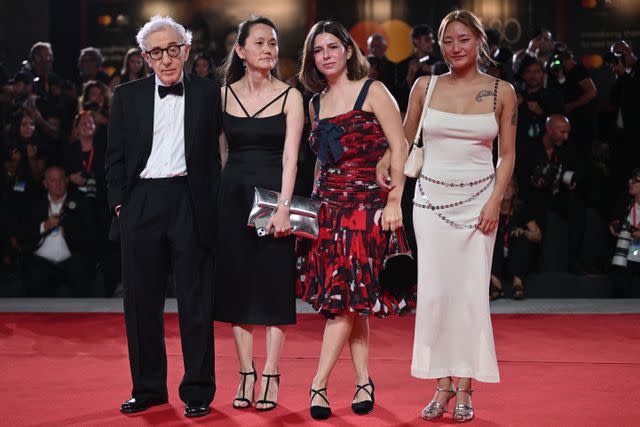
(303, 213)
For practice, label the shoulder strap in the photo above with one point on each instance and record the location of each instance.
(427, 99)
(238, 99)
(226, 94)
(316, 106)
(495, 94)
(363, 95)
(286, 94)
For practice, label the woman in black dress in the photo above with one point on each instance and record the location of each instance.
(255, 276)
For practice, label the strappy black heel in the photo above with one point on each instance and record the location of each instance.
(264, 400)
(243, 399)
(319, 412)
(365, 406)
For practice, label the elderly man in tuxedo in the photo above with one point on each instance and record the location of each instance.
(163, 171)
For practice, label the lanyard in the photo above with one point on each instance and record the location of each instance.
(633, 215)
(86, 164)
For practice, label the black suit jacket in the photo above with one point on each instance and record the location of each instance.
(130, 137)
(77, 221)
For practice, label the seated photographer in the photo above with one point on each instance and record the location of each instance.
(517, 233)
(556, 186)
(60, 232)
(625, 271)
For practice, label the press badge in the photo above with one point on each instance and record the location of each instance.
(20, 186)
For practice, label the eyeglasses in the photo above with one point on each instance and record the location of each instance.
(173, 51)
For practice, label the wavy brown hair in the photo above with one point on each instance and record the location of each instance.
(310, 76)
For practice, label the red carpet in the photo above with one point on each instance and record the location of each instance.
(569, 370)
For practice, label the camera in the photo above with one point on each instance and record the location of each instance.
(621, 252)
(555, 63)
(553, 175)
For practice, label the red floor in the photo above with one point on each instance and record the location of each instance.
(569, 370)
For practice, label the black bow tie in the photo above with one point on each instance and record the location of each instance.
(175, 89)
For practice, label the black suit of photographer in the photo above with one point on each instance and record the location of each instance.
(553, 196)
(77, 225)
(625, 95)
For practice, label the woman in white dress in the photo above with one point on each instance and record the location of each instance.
(456, 211)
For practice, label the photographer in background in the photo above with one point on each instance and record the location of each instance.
(625, 271)
(90, 66)
(60, 233)
(625, 97)
(382, 68)
(535, 104)
(555, 185)
(417, 65)
(579, 94)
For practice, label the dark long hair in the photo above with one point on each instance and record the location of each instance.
(124, 71)
(232, 69)
(357, 65)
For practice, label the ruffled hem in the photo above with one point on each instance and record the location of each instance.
(341, 270)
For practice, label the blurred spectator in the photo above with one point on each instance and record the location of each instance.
(83, 162)
(381, 68)
(540, 47)
(24, 158)
(41, 66)
(536, 103)
(625, 228)
(90, 66)
(417, 65)
(132, 68)
(579, 94)
(517, 234)
(625, 96)
(96, 99)
(202, 66)
(60, 233)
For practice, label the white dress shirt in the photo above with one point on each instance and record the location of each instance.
(167, 156)
(54, 248)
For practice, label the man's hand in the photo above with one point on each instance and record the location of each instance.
(52, 222)
(535, 108)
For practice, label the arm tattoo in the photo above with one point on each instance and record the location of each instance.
(483, 93)
(514, 117)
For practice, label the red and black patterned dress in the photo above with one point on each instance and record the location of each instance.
(341, 270)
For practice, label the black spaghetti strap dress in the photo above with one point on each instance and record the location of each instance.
(255, 276)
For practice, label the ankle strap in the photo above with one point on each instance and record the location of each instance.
(271, 375)
(319, 391)
(461, 390)
(450, 390)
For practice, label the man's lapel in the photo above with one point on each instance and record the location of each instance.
(146, 101)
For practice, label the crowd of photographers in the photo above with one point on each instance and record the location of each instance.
(573, 204)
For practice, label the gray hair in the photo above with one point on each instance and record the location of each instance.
(158, 23)
(92, 52)
(38, 46)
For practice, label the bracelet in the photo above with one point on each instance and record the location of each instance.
(284, 202)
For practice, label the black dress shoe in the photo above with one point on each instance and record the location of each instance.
(365, 406)
(133, 405)
(196, 409)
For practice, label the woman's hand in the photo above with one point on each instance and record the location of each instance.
(280, 222)
(383, 178)
(489, 216)
(391, 216)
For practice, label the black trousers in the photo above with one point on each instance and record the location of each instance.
(158, 233)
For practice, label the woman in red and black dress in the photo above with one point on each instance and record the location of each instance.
(355, 121)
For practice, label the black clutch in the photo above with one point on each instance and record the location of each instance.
(303, 213)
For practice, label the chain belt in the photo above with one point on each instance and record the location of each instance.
(435, 208)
